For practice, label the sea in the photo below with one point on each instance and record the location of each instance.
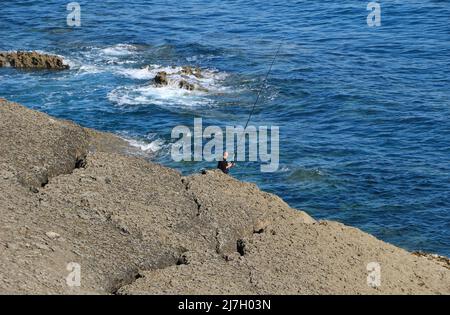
(362, 102)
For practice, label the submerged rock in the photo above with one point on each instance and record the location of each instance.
(31, 60)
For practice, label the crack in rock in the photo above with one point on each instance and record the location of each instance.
(194, 198)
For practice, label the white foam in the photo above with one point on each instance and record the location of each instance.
(140, 74)
(118, 60)
(71, 63)
(162, 96)
(148, 72)
(90, 69)
(171, 94)
(119, 50)
(94, 60)
(81, 67)
(151, 147)
(210, 79)
(284, 169)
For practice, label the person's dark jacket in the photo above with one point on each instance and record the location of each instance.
(222, 165)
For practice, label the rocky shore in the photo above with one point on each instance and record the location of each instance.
(71, 194)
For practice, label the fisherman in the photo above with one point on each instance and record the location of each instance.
(224, 165)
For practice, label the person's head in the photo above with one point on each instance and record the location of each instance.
(225, 155)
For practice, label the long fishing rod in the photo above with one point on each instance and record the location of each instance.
(259, 93)
(262, 87)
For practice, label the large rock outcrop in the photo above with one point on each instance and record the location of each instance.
(31, 60)
(69, 194)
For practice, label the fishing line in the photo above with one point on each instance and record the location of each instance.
(259, 95)
(262, 87)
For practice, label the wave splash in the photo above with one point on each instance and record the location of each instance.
(122, 60)
(211, 83)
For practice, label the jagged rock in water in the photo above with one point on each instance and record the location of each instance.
(31, 60)
(188, 70)
(183, 84)
(152, 230)
(161, 78)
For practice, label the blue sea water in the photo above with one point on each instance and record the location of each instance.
(364, 112)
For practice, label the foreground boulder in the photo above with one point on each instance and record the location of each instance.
(31, 60)
(136, 227)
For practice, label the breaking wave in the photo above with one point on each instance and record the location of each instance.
(93, 60)
(119, 50)
(148, 147)
(122, 60)
(211, 82)
(148, 95)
